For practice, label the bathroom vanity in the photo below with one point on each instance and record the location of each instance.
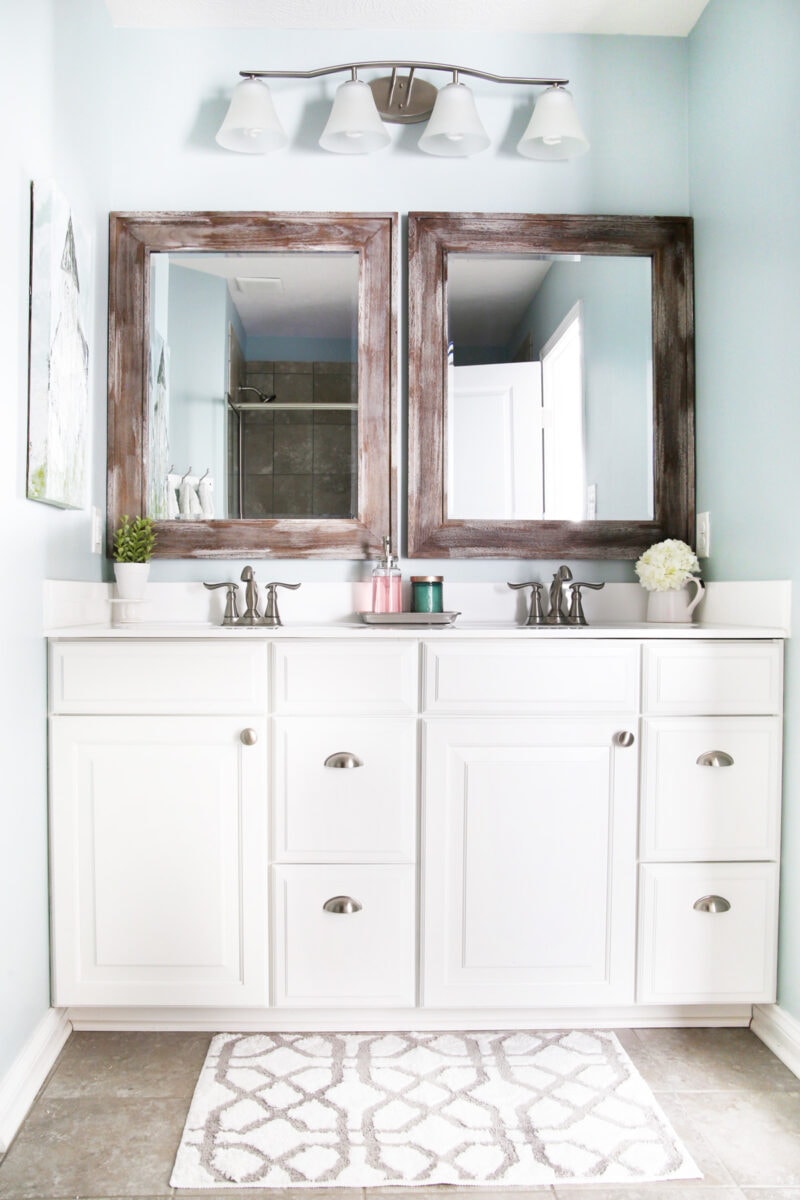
(347, 827)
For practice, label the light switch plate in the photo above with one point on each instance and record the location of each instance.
(97, 530)
(703, 535)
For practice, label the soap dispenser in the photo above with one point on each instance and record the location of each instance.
(386, 596)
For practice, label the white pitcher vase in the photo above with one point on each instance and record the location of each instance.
(675, 605)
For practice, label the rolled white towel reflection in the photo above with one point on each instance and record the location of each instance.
(173, 483)
(188, 500)
(205, 492)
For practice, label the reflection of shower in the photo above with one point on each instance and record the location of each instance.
(263, 397)
(238, 407)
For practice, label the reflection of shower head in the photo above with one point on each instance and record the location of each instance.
(263, 397)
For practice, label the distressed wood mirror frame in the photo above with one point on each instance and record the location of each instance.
(133, 237)
(667, 241)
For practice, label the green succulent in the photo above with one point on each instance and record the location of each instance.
(134, 540)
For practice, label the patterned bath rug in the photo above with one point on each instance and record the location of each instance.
(512, 1109)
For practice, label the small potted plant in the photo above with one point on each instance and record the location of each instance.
(133, 548)
(665, 571)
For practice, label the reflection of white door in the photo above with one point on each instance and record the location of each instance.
(494, 441)
(562, 388)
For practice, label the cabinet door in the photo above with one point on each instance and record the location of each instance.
(158, 845)
(529, 872)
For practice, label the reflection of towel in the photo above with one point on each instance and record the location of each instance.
(205, 491)
(188, 501)
(173, 483)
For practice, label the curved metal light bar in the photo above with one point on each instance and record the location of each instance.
(406, 99)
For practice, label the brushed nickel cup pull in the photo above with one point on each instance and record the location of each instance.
(624, 738)
(715, 758)
(343, 905)
(711, 904)
(343, 758)
(248, 737)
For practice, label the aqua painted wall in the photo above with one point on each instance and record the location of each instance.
(745, 198)
(54, 64)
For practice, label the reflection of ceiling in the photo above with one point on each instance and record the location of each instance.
(667, 18)
(287, 295)
(487, 296)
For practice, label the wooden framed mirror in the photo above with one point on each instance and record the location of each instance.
(551, 385)
(313, 473)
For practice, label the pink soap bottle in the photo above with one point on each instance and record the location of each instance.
(386, 597)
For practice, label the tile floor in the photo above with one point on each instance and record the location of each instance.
(108, 1121)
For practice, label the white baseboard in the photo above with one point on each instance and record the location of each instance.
(237, 1020)
(780, 1031)
(29, 1070)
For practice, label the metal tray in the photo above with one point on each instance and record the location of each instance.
(409, 618)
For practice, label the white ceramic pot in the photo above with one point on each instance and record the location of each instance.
(676, 605)
(131, 579)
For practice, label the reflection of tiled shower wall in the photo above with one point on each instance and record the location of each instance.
(301, 464)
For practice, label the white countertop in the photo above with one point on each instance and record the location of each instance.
(634, 630)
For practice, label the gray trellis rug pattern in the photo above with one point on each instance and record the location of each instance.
(498, 1109)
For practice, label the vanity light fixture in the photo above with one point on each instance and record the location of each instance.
(356, 121)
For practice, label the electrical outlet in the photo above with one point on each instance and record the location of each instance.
(97, 531)
(703, 535)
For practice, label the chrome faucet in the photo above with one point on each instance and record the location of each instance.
(556, 614)
(272, 616)
(231, 609)
(251, 614)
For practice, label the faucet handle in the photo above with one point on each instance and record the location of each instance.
(575, 615)
(231, 609)
(271, 614)
(536, 615)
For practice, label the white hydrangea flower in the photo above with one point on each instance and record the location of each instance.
(666, 566)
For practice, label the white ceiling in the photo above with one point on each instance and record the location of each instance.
(663, 18)
(309, 295)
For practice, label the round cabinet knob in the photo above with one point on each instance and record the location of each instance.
(248, 737)
(343, 758)
(624, 738)
(711, 904)
(342, 905)
(715, 758)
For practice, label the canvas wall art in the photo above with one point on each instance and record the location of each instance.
(58, 381)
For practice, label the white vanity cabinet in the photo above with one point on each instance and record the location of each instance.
(414, 829)
(529, 817)
(344, 823)
(158, 823)
(710, 822)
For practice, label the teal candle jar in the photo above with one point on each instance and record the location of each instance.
(426, 593)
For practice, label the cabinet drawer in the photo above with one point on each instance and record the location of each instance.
(713, 677)
(326, 813)
(693, 809)
(158, 677)
(342, 959)
(551, 677)
(687, 956)
(377, 677)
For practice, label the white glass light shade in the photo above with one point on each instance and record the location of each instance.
(354, 126)
(251, 125)
(554, 130)
(454, 129)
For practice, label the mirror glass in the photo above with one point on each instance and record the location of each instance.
(253, 386)
(549, 396)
